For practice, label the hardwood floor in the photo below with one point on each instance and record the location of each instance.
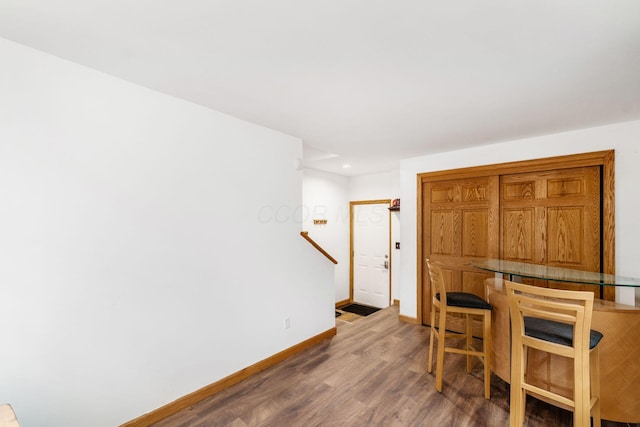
(372, 373)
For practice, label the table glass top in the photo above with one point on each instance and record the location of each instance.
(545, 272)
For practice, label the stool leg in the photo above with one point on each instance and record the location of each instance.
(523, 394)
(442, 330)
(469, 338)
(486, 349)
(432, 337)
(595, 386)
(516, 405)
(582, 392)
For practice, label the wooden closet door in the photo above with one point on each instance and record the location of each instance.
(460, 223)
(552, 218)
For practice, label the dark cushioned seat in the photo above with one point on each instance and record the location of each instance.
(556, 332)
(464, 299)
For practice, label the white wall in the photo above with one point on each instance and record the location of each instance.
(141, 257)
(326, 196)
(374, 186)
(623, 138)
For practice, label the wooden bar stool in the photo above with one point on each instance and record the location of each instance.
(554, 321)
(463, 303)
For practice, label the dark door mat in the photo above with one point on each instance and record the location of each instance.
(362, 310)
(338, 314)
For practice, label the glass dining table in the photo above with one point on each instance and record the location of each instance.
(619, 323)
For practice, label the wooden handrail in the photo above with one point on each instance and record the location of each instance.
(305, 234)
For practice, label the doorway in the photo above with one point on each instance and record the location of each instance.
(370, 272)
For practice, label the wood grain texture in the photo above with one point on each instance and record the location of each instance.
(212, 389)
(573, 308)
(461, 224)
(373, 373)
(305, 235)
(619, 355)
(441, 309)
(608, 221)
(553, 220)
(434, 188)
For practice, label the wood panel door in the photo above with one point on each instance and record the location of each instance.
(460, 222)
(553, 218)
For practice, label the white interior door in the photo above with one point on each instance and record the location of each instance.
(371, 262)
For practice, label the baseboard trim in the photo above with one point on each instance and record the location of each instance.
(342, 303)
(396, 302)
(407, 319)
(211, 389)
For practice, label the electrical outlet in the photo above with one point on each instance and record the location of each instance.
(287, 322)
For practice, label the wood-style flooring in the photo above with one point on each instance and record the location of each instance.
(372, 373)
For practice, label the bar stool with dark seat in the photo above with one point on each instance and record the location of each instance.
(558, 322)
(464, 303)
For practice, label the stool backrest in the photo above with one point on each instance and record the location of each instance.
(573, 308)
(437, 283)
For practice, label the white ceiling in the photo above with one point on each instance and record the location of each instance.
(364, 82)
